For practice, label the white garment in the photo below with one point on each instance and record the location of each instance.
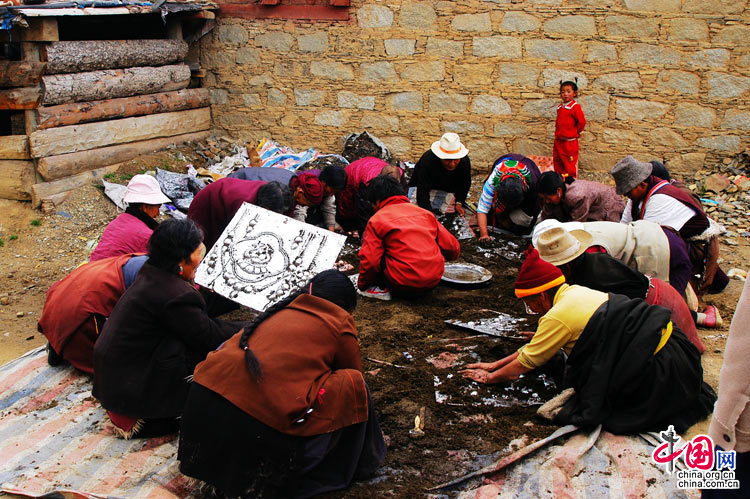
(663, 210)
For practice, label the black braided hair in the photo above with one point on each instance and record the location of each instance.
(330, 285)
(549, 182)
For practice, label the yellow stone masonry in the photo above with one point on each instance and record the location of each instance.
(660, 79)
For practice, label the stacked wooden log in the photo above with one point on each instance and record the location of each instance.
(99, 103)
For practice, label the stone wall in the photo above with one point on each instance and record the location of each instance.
(667, 79)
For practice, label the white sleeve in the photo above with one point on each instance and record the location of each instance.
(627, 215)
(300, 213)
(666, 210)
(328, 207)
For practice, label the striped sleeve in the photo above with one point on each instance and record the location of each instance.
(488, 194)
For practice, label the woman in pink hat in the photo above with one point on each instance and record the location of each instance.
(130, 231)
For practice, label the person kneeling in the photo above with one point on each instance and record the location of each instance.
(282, 408)
(630, 369)
(404, 247)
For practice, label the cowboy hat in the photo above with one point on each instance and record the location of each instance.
(449, 147)
(558, 246)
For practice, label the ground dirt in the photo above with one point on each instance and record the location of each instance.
(405, 346)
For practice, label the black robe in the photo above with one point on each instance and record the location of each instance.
(622, 385)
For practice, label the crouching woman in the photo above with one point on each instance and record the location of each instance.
(630, 369)
(282, 408)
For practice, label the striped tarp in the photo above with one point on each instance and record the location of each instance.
(54, 436)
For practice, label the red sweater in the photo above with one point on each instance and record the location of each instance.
(570, 120)
(407, 243)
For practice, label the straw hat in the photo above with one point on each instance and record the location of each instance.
(449, 147)
(558, 246)
(144, 189)
(628, 173)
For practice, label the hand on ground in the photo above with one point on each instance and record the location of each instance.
(485, 238)
(460, 209)
(486, 366)
(478, 375)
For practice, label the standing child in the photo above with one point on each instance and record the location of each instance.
(568, 127)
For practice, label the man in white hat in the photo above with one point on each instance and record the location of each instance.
(444, 167)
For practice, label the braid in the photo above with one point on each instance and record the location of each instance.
(251, 361)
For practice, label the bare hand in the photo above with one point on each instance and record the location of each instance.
(478, 375)
(460, 209)
(486, 366)
(485, 237)
(527, 334)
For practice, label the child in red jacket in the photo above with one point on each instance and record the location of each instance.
(404, 247)
(568, 127)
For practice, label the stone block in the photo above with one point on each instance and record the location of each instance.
(399, 46)
(506, 47)
(446, 49)
(378, 71)
(510, 128)
(553, 50)
(639, 110)
(232, 33)
(625, 138)
(689, 115)
(249, 56)
(309, 97)
(219, 96)
(462, 127)
(545, 2)
(448, 103)
(666, 139)
(417, 15)
(424, 71)
(687, 163)
(724, 143)
(571, 25)
(531, 147)
(713, 6)
(230, 121)
(688, 29)
(653, 5)
(724, 86)
(484, 152)
(628, 81)
(332, 70)
(405, 101)
(736, 118)
(599, 52)
(352, 100)
(541, 108)
(275, 40)
(553, 77)
(252, 100)
(592, 161)
(314, 42)
(709, 58)
(374, 16)
(517, 73)
(473, 74)
(519, 22)
(332, 118)
(738, 34)
(631, 27)
(261, 80)
(472, 22)
(716, 183)
(276, 97)
(595, 106)
(651, 55)
(680, 82)
(744, 61)
(400, 147)
(379, 122)
(288, 68)
(489, 104)
(215, 59)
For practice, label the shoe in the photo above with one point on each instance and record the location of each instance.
(713, 319)
(53, 358)
(376, 292)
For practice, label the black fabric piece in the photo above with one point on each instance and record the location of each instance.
(622, 385)
(429, 173)
(605, 273)
(137, 212)
(229, 449)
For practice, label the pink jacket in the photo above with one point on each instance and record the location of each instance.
(358, 172)
(125, 234)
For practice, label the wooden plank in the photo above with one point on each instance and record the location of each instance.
(43, 29)
(16, 179)
(31, 52)
(125, 107)
(114, 83)
(318, 12)
(92, 55)
(86, 11)
(20, 98)
(45, 190)
(55, 167)
(54, 141)
(20, 73)
(14, 147)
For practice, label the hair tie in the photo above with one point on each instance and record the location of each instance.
(310, 290)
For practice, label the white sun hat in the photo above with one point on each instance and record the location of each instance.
(145, 189)
(449, 147)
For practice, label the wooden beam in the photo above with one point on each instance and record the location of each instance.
(55, 167)
(67, 139)
(42, 29)
(125, 107)
(14, 147)
(16, 179)
(20, 98)
(92, 55)
(45, 190)
(317, 12)
(20, 73)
